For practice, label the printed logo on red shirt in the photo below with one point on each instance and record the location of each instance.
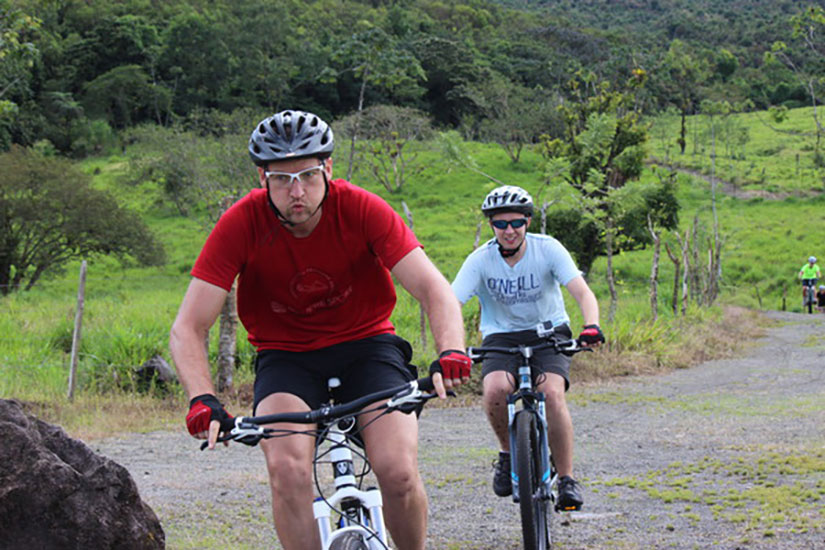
(312, 289)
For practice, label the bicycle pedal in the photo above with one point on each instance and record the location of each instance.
(568, 508)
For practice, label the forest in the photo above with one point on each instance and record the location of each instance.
(76, 74)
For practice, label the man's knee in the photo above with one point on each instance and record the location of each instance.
(288, 471)
(399, 477)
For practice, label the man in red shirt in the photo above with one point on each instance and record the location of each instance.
(314, 258)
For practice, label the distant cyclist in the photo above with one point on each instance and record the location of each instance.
(809, 274)
(820, 299)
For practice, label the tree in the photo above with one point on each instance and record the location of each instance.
(17, 53)
(197, 61)
(601, 151)
(121, 95)
(375, 58)
(681, 74)
(514, 116)
(50, 214)
(806, 62)
(389, 133)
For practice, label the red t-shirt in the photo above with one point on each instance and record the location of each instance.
(302, 294)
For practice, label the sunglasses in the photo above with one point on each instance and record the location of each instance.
(515, 224)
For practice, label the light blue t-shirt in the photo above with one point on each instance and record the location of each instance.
(522, 296)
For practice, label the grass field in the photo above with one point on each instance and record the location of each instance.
(129, 310)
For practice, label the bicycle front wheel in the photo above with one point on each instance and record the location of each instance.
(535, 519)
(352, 540)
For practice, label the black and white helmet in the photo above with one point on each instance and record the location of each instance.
(507, 198)
(290, 135)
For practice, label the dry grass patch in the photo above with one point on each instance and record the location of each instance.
(90, 417)
(681, 343)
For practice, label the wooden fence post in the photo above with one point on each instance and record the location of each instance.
(78, 321)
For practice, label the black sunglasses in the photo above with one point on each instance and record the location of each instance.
(502, 224)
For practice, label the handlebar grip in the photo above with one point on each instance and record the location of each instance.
(221, 439)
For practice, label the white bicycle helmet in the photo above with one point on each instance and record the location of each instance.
(507, 198)
(812, 259)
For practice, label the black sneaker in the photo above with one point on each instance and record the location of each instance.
(502, 484)
(570, 496)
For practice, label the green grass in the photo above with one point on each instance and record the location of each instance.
(763, 491)
(128, 310)
(774, 157)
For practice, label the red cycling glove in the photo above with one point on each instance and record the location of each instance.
(452, 364)
(592, 334)
(202, 410)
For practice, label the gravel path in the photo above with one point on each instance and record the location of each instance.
(727, 455)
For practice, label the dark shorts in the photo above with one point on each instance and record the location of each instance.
(546, 360)
(364, 366)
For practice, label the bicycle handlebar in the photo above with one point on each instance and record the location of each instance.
(566, 347)
(543, 330)
(405, 398)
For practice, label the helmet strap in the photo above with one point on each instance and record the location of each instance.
(508, 252)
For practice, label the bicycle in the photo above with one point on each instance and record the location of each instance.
(360, 521)
(533, 474)
(808, 294)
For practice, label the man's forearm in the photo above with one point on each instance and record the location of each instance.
(446, 323)
(191, 362)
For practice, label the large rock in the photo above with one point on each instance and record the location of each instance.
(56, 493)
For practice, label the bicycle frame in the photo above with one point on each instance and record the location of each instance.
(348, 499)
(809, 289)
(361, 510)
(532, 403)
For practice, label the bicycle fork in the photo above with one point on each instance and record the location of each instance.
(348, 498)
(546, 478)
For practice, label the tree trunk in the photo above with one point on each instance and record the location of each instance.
(686, 274)
(227, 342)
(677, 271)
(357, 124)
(611, 282)
(713, 282)
(477, 239)
(422, 315)
(654, 270)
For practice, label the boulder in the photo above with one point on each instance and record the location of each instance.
(56, 493)
(155, 371)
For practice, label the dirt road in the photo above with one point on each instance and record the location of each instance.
(726, 455)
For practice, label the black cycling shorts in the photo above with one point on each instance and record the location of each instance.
(546, 360)
(363, 366)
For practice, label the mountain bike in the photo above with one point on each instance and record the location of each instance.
(533, 475)
(808, 294)
(359, 521)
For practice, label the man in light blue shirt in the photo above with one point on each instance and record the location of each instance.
(517, 277)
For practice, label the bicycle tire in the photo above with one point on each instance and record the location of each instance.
(352, 540)
(535, 520)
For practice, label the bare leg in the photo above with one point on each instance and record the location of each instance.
(559, 423)
(289, 462)
(392, 448)
(496, 386)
